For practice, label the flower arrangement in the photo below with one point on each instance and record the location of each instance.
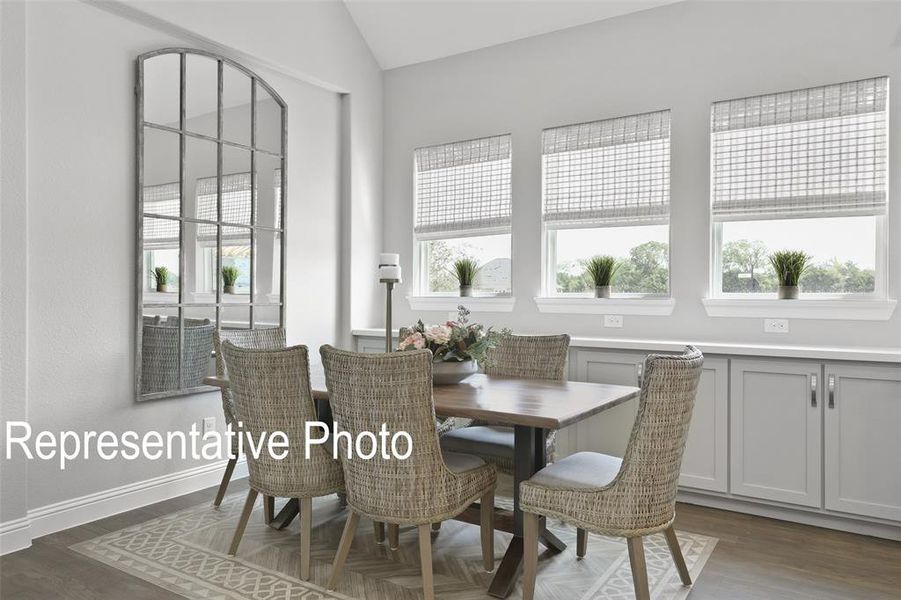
(454, 341)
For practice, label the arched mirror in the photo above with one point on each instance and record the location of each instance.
(211, 195)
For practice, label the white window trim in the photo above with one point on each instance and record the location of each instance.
(421, 269)
(549, 281)
(846, 309)
(878, 295)
(447, 303)
(584, 305)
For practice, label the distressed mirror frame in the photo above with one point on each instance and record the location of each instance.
(280, 230)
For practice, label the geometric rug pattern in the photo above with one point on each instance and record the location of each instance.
(186, 552)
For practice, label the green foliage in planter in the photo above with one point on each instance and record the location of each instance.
(465, 270)
(230, 275)
(789, 265)
(160, 275)
(601, 269)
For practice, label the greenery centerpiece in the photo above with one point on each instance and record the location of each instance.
(161, 275)
(230, 274)
(789, 266)
(465, 271)
(600, 270)
(457, 346)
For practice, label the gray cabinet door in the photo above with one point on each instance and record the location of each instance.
(776, 431)
(607, 432)
(863, 440)
(705, 464)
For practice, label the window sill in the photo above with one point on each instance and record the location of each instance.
(473, 303)
(846, 309)
(659, 307)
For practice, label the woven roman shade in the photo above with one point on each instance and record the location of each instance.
(235, 198)
(815, 152)
(607, 173)
(463, 188)
(162, 199)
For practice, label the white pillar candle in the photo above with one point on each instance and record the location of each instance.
(389, 272)
(389, 259)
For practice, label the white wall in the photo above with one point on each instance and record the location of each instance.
(681, 57)
(76, 68)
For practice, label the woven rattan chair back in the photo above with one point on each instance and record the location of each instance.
(159, 355)
(529, 357)
(367, 390)
(649, 477)
(255, 339)
(271, 389)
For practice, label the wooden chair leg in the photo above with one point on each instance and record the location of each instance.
(530, 526)
(673, 542)
(268, 509)
(226, 477)
(436, 527)
(306, 528)
(378, 530)
(350, 528)
(581, 543)
(425, 558)
(242, 522)
(393, 536)
(486, 521)
(639, 568)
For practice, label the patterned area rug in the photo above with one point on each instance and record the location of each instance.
(185, 552)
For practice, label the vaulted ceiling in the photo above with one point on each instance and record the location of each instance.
(407, 32)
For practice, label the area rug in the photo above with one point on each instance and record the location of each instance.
(185, 552)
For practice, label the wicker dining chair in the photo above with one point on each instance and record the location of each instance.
(523, 356)
(630, 497)
(430, 486)
(159, 354)
(271, 391)
(254, 339)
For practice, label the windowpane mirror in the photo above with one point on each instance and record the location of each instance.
(210, 204)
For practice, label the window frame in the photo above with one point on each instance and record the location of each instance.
(421, 267)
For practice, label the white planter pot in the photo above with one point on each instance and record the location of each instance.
(451, 371)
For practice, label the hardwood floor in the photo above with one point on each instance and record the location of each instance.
(756, 559)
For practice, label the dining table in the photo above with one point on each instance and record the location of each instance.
(532, 407)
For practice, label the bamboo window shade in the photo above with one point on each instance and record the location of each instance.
(463, 188)
(814, 152)
(612, 172)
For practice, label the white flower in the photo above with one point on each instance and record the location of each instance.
(439, 334)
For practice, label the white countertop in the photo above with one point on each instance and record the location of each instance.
(864, 354)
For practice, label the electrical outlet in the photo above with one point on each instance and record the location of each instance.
(209, 424)
(613, 320)
(775, 325)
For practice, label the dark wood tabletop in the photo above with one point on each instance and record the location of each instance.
(509, 401)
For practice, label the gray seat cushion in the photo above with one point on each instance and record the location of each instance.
(486, 440)
(458, 463)
(580, 470)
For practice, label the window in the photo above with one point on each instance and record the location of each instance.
(801, 170)
(606, 191)
(463, 210)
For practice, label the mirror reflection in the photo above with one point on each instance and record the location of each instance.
(211, 232)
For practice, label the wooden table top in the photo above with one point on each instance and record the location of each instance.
(509, 400)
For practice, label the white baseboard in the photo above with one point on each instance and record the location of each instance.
(17, 534)
(795, 515)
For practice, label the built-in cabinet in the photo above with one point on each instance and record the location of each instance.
(863, 440)
(804, 436)
(775, 431)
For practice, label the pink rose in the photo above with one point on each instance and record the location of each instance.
(414, 339)
(439, 334)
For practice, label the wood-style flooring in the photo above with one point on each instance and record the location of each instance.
(755, 559)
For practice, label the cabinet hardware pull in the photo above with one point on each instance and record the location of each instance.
(813, 390)
(831, 384)
(639, 370)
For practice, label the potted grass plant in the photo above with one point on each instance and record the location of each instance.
(465, 270)
(230, 275)
(600, 270)
(161, 276)
(789, 266)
